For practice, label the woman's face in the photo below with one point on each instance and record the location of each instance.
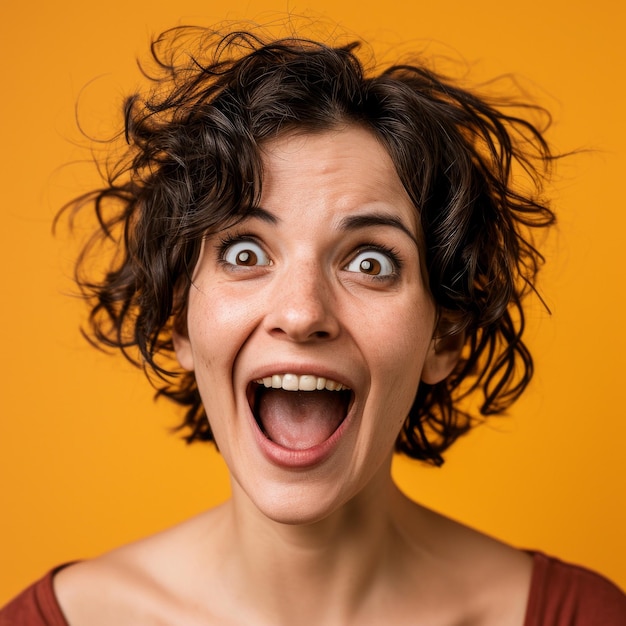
(309, 327)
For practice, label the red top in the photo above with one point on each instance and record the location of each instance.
(35, 606)
(560, 595)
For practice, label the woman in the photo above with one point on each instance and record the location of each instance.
(336, 259)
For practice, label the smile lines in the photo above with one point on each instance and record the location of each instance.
(306, 382)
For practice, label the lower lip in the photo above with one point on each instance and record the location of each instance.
(299, 459)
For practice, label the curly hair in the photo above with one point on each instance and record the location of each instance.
(192, 165)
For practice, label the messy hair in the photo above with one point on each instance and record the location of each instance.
(192, 166)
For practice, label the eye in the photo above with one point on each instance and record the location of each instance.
(372, 263)
(245, 253)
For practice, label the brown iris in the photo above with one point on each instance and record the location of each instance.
(247, 257)
(370, 266)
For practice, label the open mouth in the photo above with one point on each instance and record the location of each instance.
(298, 412)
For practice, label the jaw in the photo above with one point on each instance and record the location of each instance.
(304, 484)
(308, 486)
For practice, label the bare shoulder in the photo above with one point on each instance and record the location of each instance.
(140, 583)
(485, 580)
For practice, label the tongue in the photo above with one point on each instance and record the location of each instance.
(300, 419)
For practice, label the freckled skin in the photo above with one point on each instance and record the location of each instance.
(311, 301)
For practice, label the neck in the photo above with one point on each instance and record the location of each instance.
(322, 570)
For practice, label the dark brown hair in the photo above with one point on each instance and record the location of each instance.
(192, 165)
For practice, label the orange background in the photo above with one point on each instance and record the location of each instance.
(86, 462)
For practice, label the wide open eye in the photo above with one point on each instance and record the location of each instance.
(372, 263)
(245, 253)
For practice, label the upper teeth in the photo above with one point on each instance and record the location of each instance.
(306, 382)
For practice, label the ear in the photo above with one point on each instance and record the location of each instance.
(443, 355)
(182, 348)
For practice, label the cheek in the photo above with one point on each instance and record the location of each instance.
(397, 357)
(218, 326)
(205, 324)
(400, 336)
(214, 333)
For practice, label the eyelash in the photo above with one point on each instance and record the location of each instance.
(226, 241)
(391, 253)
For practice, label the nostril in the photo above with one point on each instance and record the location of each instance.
(318, 334)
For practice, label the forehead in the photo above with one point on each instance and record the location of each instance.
(334, 171)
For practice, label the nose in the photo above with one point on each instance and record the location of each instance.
(302, 306)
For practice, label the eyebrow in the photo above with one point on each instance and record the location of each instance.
(350, 222)
(262, 214)
(366, 220)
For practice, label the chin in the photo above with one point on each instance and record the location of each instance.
(296, 504)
